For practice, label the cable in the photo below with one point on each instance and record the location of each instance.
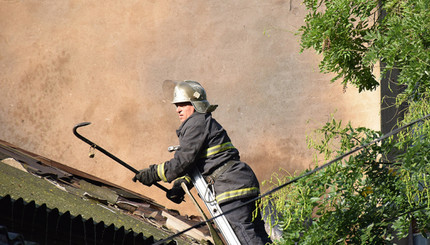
(298, 178)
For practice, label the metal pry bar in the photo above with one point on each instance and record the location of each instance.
(95, 146)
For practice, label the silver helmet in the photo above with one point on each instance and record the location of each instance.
(192, 91)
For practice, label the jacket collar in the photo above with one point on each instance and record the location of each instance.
(195, 114)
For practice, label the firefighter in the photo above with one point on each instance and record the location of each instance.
(204, 144)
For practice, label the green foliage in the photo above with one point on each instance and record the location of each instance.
(402, 41)
(353, 36)
(364, 198)
(336, 28)
(375, 194)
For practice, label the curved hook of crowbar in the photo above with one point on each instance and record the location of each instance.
(95, 146)
(75, 132)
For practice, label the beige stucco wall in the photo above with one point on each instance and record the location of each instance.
(65, 62)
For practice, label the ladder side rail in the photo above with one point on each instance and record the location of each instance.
(213, 207)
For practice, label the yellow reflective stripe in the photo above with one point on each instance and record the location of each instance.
(186, 178)
(160, 172)
(216, 149)
(236, 193)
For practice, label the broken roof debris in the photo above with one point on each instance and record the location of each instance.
(80, 207)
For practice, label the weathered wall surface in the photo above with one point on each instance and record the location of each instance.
(65, 62)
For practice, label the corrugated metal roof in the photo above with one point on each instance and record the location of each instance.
(42, 224)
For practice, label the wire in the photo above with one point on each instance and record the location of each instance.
(297, 179)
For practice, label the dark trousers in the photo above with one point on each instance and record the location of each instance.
(247, 229)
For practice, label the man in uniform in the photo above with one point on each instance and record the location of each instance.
(204, 144)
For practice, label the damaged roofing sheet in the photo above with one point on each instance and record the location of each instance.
(35, 179)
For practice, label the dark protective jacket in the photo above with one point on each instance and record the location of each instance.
(204, 144)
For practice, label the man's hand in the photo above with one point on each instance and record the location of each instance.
(147, 176)
(176, 194)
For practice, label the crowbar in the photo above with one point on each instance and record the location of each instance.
(95, 146)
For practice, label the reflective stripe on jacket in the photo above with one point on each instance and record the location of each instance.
(205, 144)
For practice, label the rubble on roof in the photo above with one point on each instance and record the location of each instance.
(107, 195)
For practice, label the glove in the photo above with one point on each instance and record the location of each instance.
(176, 194)
(147, 176)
